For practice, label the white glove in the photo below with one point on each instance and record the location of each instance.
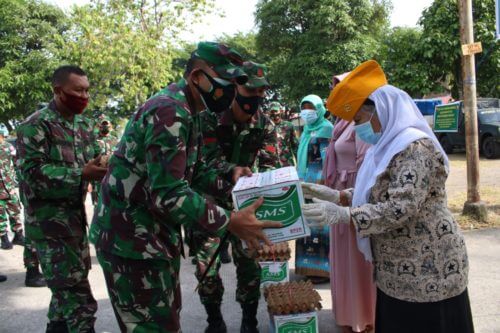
(321, 213)
(321, 192)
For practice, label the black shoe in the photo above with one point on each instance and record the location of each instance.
(18, 238)
(3, 278)
(249, 322)
(6, 244)
(34, 278)
(215, 321)
(225, 257)
(57, 327)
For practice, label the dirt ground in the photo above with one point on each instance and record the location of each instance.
(489, 182)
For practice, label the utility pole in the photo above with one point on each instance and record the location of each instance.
(473, 206)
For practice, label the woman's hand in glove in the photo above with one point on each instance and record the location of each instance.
(321, 213)
(321, 192)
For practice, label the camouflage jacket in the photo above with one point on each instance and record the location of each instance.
(227, 144)
(7, 171)
(51, 154)
(287, 143)
(106, 144)
(146, 194)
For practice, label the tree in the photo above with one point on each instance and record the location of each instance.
(442, 50)
(310, 40)
(403, 65)
(27, 59)
(127, 47)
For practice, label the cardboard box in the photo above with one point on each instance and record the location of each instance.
(282, 201)
(274, 272)
(301, 322)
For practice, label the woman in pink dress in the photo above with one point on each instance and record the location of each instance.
(353, 290)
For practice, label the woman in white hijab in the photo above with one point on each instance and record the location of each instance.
(399, 209)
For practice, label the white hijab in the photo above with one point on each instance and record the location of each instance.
(402, 123)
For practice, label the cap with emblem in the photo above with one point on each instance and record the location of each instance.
(256, 75)
(348, 96)
(225, 61)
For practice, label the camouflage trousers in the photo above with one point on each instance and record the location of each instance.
(145, 294)
(10, 212)
(65, 265)
(30, 256)
(247, 270)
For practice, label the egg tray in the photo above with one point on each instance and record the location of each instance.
(292, 298)
(277, 252)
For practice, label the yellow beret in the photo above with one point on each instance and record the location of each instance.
(348, 96)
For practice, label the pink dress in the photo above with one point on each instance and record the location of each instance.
(353, 290)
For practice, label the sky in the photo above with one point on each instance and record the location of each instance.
(239, 16)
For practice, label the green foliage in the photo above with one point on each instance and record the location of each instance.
(441, 47)
(245, 44)
(309, 40)
(26, 56)
(127, 47)
(403, 65)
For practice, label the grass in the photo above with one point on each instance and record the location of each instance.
(490, 195)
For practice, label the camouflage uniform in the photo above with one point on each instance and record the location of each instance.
(228, 144)
(287, 140)
(51, 154)
(9, 203)
(145, 198)
(287, 143)
(106, 145)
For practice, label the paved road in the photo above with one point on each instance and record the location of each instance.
(23, 309)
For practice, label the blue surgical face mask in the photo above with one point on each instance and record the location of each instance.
(309, 116)
(365, 132)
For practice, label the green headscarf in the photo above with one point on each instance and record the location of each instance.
(321, 128)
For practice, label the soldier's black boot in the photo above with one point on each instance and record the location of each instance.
(249, 322)
(215, 321)
(18, 238)
(3, 278)
(6, 244)
(34, 278)
(225, 257)
(57, 327)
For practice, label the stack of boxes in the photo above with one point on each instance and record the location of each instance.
(293, 307)
(274, 263)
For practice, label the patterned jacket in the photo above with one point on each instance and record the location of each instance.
(51, 154)
(7, 171)
(227, 144)
(106, 144)
(287, 143)
(146, 194)
(418, 250)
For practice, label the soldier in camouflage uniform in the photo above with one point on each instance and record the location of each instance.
(56, 155)
(287, 140)
(146, 194)
(235, 138)
(107, 142)
(9, 203)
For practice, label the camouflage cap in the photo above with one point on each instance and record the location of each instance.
(223, 60)
(275, 106)
(256, 75)
(103, 118)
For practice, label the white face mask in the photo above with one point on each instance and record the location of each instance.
(309, 116)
